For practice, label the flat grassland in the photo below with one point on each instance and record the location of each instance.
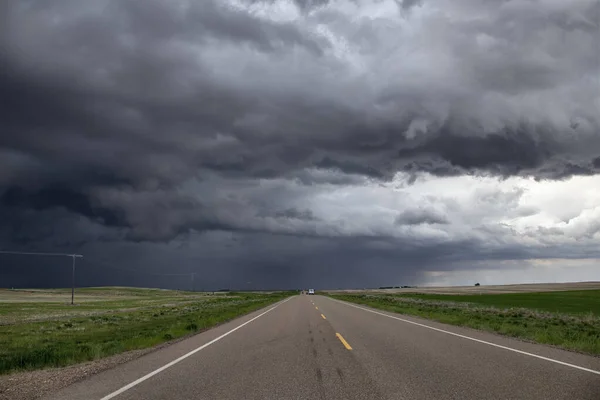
(486, 289)
(39, 328)
(566, 319)
(566, 302)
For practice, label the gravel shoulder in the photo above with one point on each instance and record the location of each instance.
(32, 385)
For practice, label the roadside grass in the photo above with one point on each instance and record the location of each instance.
(567, 302)
(577, 330)
(67, 335)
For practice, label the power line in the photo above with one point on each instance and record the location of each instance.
(36, 254)
(192, 275)
(99, 263)
(73, 256)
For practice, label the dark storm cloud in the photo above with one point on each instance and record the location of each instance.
(293, 213)
(149, 122)
(508, 153)
(420, 216)
(141, 90)
(56, 196)
(54, 229)
(408, 4)
(309, 4)
(234, 25)
(316, 176)
(251, 261)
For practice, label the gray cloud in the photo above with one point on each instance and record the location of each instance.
(420, 216)
(153, 123)
(408, 4)
(293, 213)
(143, 72)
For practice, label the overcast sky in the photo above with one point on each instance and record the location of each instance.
(280, 143)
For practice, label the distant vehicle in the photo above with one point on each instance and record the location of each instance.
(311, 291)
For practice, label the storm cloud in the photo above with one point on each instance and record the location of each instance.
(327, 125)
(420, 216)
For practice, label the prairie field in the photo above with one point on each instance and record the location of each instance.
(40, 328)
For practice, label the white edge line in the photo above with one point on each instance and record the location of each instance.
(470, 338)
(183, 357)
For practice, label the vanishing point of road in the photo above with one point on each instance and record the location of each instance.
(313, 347)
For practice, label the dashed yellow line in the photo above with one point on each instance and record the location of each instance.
(346, 345)
(323, 316)
(316, 307)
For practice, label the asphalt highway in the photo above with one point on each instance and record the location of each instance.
(313, 347)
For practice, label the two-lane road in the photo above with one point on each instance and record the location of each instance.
(313, 347)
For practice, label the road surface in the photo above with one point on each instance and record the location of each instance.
(313, 347)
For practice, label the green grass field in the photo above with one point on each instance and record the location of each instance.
(570, 320)
(570, 302)
(40, 329)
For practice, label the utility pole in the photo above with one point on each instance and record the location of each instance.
(31, 253)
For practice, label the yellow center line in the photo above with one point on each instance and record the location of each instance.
(346, 345)
(316, 307)
(323, 316)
